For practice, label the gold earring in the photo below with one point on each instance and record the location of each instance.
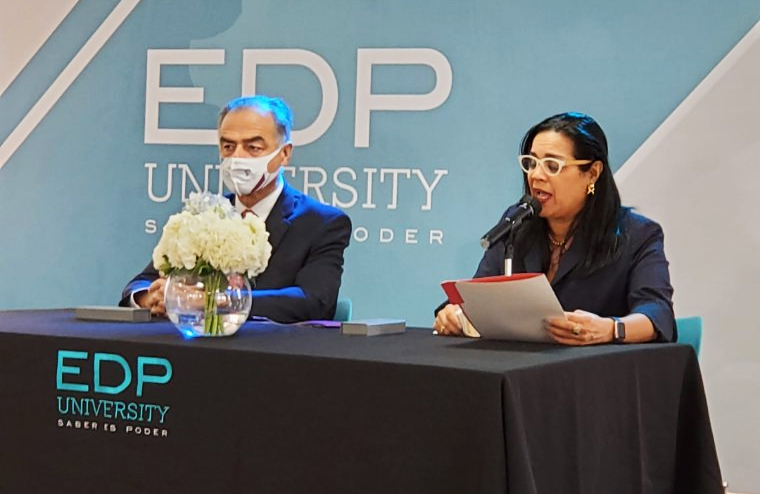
(591, 189)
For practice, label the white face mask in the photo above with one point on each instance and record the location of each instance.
(245, 175)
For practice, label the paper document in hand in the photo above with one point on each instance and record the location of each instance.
(507, 307)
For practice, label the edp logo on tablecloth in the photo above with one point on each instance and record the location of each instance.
(90, 387)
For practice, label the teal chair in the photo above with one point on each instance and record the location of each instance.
(690, 331)
(343, 309)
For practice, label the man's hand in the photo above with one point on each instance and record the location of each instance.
(153, 298)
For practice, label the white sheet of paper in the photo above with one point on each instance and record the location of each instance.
(510, 310)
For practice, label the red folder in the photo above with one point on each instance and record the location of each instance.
(453, 294)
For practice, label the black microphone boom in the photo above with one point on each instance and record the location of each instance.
(528, 207)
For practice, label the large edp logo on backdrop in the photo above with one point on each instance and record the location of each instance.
(375, 187)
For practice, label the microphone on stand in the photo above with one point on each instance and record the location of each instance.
(528, 207)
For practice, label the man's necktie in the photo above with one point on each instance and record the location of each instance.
(246, 212)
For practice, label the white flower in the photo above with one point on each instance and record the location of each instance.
(201, 202)
(210, 231)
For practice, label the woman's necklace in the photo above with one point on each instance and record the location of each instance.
(555, 244)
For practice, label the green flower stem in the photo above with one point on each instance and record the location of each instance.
(213, 323)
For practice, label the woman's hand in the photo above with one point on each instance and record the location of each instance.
(580, 328)
(447, 321)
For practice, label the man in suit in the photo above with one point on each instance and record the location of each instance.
(308, 238)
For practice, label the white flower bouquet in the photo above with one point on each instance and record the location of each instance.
(211, 240)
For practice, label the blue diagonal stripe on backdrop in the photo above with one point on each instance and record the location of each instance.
(55, 67)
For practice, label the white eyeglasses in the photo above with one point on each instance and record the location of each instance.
(552, 166)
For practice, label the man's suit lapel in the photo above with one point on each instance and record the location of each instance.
(281, 216)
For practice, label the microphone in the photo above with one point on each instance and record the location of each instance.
(527, 208)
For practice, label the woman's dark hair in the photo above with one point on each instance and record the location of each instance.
(597, 224)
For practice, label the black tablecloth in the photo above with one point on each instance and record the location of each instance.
(293, 409)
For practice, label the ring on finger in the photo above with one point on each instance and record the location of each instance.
(577, 329)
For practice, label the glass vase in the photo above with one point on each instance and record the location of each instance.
(214, 304)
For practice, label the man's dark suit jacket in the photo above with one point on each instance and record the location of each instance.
(302, 278)
(638, 281)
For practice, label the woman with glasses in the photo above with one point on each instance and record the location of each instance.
(605, 262)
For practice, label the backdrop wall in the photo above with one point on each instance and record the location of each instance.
(409, 117)
(698, 173)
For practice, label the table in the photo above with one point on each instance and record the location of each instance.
(134, 408)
